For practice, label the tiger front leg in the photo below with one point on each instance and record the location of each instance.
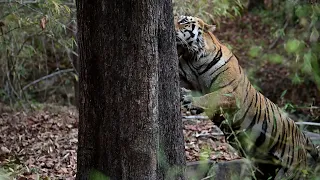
(186, 100)
(214, 103)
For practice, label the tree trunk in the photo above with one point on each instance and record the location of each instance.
(171, 136)
(120, 103)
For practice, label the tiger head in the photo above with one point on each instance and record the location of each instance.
(195, 36)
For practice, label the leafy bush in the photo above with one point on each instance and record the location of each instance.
(208, 9)
(36, 40)
(300, 50)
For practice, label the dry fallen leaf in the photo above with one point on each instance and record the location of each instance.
(43, 22)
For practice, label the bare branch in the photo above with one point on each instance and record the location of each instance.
(46, 77)
(308, 123)
(196, 117)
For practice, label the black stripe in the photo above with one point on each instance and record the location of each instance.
(216, 70)
(257, 115)
(237, 85)
(192, 27)
(289, 146)
(236, 56)
(279, 111)
(262, 137)
(184, 73)
(190, 31)
(214, 61)
(220, 87)
(274, 126)
(216, 77)
(267, 116)
(274, 147)
(284, 137)
(220, 67)
(193, 71)
(248, 83)
(293, 137)
(199, 67)
(238, 123)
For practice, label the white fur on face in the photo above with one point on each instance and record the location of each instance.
(190, 34)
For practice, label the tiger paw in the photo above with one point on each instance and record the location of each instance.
(196, 110)
(186, 100)
(185, 97)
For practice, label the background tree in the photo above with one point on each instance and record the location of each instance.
(127, 56)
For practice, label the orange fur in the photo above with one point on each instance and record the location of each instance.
(264, 131)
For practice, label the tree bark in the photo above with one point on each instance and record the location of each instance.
(120, 78)
(171, 136)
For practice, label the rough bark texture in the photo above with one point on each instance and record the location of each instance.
(171, 136)
(120, 105)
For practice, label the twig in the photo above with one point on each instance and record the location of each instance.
(10, 12)
(23, 2)
(18, 27)
(209, 135)
(196, 117)
(208, 177)
(308, 123)
(25, 41)
(11, 86)
(71, 58)
(275, 42)
(46, 77)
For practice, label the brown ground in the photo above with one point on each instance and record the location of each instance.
(45, 142)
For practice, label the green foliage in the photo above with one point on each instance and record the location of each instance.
(293, 46)
(35, 40)
(208, 9)
(297, 24)
(305, 48)
(255, 51)
(276, 58)
(97, 175)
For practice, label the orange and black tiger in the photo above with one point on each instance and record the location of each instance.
(263, 132)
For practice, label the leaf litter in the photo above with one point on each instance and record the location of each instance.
(43, 144)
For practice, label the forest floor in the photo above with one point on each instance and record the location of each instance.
(43, 143)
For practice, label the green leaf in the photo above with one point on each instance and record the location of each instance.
(276, 59)
(303, 11)
(97, 175)
(293, 46)
(314, 36)
(76, 77)
(283, 93)
(306, 66)
(255, 51)
(296, 79)
(228, 95)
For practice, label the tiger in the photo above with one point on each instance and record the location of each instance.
(253, 125)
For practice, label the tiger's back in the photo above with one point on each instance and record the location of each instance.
(264, 131)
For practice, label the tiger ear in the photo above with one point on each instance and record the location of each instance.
(209, 27)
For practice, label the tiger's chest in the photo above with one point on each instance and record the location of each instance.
(193, 75)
